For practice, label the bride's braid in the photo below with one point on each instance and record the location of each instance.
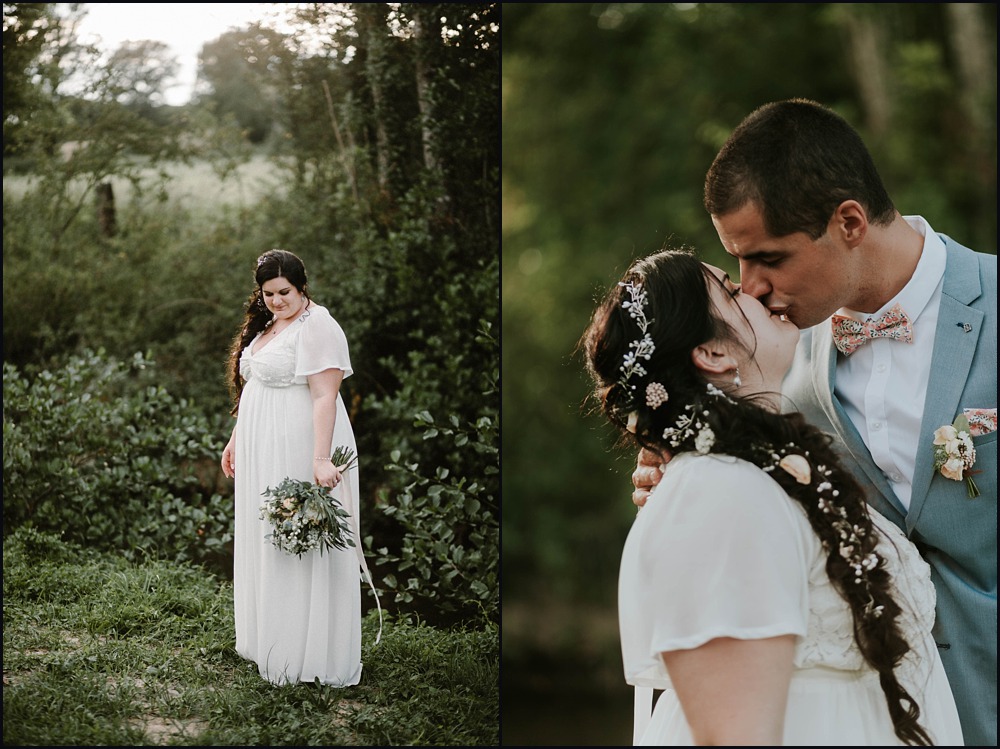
(665, 403)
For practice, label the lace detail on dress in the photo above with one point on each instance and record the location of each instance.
(916, 595)
(830, 642)
(273, 365)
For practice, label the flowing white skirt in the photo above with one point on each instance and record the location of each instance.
(299, 619)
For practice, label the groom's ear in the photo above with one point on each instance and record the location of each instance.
(713, 357)
(850, 222)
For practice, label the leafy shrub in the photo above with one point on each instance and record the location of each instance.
(449, 553)
(95, 453)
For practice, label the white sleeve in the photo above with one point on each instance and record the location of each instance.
(322, 345)
(726, 554)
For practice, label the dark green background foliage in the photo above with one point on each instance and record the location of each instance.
(611, 115)
(383, 175)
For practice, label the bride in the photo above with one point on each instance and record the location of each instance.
(757, 589)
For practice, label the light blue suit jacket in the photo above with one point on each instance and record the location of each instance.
(956, 535)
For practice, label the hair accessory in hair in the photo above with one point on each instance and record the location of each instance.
(714, 390)
(656, 395)
(641, 348)
(688, 425)
(851, 544)
(797, 466)
(633, 421)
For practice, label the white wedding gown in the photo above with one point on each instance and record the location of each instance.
(719, 550)
(298, 618)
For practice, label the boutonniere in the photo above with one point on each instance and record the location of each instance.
(954, 453)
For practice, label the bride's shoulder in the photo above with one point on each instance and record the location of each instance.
(723, 476)
(713, 466)
(317, 314)
(322, 322)
(317, 310)
(719, 489)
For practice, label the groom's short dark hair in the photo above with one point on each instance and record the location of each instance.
(797, 161)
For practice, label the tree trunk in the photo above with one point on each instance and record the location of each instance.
(425, 28)
(105, 199)
(976, 68)
(346, 157)
(866, 45)
(372, 19)
(976, 77)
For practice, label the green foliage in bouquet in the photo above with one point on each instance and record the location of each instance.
(306, 516)
(344, 458)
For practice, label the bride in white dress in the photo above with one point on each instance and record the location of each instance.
(757, 590)
(298, 618)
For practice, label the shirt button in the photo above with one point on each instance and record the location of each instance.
(876, 425)
(880, 368)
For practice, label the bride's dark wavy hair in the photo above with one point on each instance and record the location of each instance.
(272, 264)
(682, 316)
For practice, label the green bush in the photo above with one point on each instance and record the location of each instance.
(95, 453)
(449, 553)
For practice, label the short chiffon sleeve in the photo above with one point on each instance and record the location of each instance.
(728, 555)
(321, 345)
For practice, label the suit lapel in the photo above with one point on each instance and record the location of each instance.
(954, 349)
(824, 380)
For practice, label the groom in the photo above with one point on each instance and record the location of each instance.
(795, 197)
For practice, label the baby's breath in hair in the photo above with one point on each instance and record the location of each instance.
(641, 349)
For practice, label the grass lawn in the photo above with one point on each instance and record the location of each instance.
(98, 651)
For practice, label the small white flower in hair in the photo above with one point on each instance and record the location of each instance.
(705, 440)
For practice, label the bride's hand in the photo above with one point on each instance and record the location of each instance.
(647, 474)
(326, 473)
(229, 460)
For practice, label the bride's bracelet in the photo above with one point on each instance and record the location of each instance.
(322, 459)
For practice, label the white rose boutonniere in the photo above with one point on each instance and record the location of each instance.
(954, 453)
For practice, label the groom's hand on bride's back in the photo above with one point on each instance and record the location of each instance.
(647, 474)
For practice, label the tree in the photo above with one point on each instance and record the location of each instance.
(241, 76)
(25, 27)
(139, 72)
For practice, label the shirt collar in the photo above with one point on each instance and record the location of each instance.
(926, 278)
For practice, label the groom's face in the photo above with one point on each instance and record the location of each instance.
(795, 275)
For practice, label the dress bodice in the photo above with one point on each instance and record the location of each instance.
(312, 343)
(274, 364)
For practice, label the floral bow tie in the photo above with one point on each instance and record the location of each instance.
(849, 334)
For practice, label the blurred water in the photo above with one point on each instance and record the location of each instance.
(568, 717)
(561, 681)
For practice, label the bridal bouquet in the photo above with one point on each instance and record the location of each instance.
(306, 516)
